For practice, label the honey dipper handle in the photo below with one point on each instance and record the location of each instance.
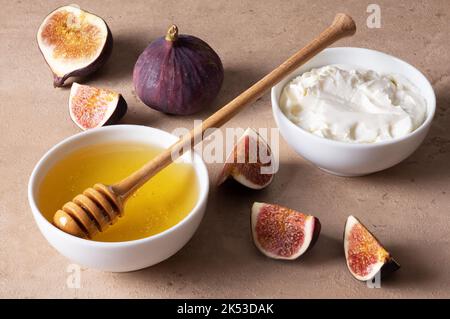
(342, 26)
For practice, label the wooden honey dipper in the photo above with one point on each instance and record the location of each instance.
(99, 207)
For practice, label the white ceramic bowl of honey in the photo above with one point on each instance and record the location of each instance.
(118, 256)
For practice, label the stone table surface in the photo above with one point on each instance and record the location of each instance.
(407, 206)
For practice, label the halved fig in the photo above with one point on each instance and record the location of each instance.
(250, 162)
(364, 253)
(74, 43)
(90, 107)
(283, 233)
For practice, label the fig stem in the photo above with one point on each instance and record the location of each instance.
(172, 33)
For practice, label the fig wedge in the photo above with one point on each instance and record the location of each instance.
(250, 162)
(74, 43)
(364, 254)
(283, 233)
(90, 107)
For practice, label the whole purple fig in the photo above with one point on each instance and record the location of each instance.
(178, 74)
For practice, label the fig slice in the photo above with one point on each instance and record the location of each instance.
(364, 254)
(283, 233)
(90, 107)
(74, 43)
(250, 161)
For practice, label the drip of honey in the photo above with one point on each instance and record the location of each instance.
(158, 205)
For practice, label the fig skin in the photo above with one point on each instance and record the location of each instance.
(119, 112)
(60, 80)
(247, 174)
(314, 223)
(316, 233)
(178, 74)
(389, 266)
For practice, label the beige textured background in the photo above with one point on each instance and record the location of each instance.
(407, 206)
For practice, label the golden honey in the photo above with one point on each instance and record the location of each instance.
(158, 205)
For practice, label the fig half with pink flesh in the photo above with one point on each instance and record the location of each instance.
(250, 162)
(283, 233)
(74, 43)
(364, 254)
(91, 107)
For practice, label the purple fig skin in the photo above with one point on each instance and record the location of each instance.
(389, 267)
(180, 77)
(91, 68)
(316, 233)
(119, 112)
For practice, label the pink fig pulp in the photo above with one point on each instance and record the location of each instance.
(283, 233)
(364, 253)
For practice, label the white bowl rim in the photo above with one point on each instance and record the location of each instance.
(202, 197)
(431, 109)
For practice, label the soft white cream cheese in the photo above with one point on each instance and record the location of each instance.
(357, 106)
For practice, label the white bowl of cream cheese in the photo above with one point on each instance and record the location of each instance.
(354, 111)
